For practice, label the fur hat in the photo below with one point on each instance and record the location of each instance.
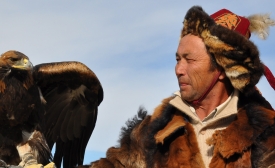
(226, 36)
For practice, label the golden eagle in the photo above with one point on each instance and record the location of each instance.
(47, 105)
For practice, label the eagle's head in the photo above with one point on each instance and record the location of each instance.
(15, 65)
(14, 60)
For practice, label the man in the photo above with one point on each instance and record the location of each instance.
(218, 118)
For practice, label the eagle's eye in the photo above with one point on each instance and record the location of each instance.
(13, 59)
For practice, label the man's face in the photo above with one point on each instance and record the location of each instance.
(193, 68)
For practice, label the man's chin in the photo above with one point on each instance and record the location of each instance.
(186, 97)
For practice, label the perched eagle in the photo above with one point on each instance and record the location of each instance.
(47, 105)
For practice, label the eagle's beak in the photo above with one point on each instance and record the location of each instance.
(23, 64)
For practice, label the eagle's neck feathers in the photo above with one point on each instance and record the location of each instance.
(28, 82)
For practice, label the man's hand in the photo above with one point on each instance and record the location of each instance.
(23, 149)
(28, 159)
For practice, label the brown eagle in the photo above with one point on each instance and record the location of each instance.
(47, 105)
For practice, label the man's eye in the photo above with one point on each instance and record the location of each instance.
(189, 59)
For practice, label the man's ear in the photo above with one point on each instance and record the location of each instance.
(222, 75)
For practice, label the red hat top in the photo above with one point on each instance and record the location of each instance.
(232, 21)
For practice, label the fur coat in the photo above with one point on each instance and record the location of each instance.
(166, 139)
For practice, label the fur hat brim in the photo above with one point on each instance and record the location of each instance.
(237, 55)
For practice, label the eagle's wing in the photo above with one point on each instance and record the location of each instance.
(72, 93)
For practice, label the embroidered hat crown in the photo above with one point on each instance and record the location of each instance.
(232, 21)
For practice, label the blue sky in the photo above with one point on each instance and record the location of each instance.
(130, 45)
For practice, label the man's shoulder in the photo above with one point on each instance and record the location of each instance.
(161, 107)
(142, 120)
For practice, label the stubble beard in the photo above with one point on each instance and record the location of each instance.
(188, 97)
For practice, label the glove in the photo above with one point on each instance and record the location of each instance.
(28, 159)
(50, 165)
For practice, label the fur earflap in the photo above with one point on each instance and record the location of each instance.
(237, 55)
(259, 24)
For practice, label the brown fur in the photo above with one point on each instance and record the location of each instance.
(169, 140)
(176, 122)
(233, 148)
(184, 151)
(159, 109)
(129, 153)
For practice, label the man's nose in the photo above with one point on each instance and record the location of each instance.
(180, 69)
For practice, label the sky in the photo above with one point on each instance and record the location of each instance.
(129, 45)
